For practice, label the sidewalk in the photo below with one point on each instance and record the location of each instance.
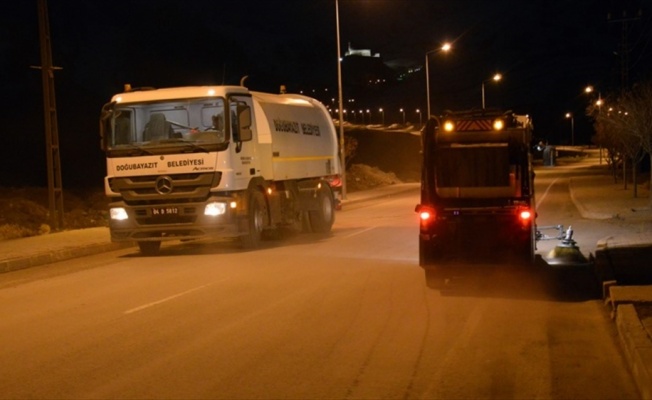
(621, 261)
(60, 246)
(617, 259)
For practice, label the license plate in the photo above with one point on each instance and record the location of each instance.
(164, 211)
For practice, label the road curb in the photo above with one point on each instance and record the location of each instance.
(637, 345)
(52, 256)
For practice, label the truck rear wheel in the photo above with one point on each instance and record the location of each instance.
(255, 220)
(529, 250)
(323, 217)
(429, 253)
(149, 248)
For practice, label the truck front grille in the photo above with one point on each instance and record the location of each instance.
(165, 189)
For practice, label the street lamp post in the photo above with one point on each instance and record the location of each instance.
(494, 78)
(445, 48)
(589, 90)
(403, 112)
(572, 118)
(339, 89)
(382, 116)
(420, 119)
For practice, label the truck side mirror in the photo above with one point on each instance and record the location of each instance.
(105, 123)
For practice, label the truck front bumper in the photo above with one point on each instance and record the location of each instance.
(174, 221)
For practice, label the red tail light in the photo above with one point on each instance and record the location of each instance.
(525, 216)
(426, 214)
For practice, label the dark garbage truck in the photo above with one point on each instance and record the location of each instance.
(477, 187)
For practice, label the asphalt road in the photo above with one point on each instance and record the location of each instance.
(345, 315)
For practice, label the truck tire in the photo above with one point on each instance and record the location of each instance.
(524, 248)
(529, 251)
(256, 215)
(149, 248)
(429, 254)
(322, 219)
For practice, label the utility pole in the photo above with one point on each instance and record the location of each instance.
(624, 47)
(55, 188)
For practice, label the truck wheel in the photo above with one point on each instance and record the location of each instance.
(529, 251)
(323, 217)
(429, 254)
(526, 249)
(255, 220)
(149, 248)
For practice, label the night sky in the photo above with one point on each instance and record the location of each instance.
(547, 50)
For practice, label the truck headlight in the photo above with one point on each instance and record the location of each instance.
(118, 214)
(215, 208)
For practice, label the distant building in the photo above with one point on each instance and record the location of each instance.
(360, 52)
(379, 71)
(369, 82)
(364, 70)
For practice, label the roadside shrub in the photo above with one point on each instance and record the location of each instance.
(12, 231)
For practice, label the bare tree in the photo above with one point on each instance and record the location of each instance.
(624, 128)
(637, 120)
(608, 137)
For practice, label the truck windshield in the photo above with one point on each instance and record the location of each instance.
(164, 127)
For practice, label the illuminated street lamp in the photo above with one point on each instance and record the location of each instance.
(495, 78)
(570, 116)
(403, 112)
(445, 48)
(382, 116)
(420, 119)
(589, 89)
(369, 115)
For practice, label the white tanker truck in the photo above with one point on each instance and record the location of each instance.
(216, 161)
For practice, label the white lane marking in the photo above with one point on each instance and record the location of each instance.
(543, 196)
(360, 231)
(154, 303)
